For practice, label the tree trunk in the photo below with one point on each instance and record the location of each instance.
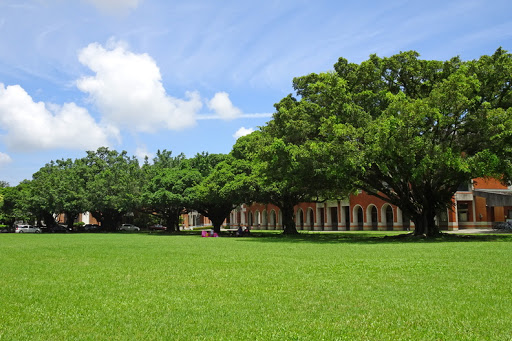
(112, 220)
(288, 222)
(71, 216)
(49, 220)
(172, 219)
(217, 223)
(425, 224)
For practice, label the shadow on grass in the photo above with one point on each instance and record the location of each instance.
(351, 237)
(373, 238)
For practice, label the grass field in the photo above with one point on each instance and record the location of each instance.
(315, 287)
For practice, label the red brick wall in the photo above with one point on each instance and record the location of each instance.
(481, 183)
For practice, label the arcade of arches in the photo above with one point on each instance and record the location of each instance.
(479, 205)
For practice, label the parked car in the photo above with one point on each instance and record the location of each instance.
(27, 229)
(56, 229)
(158, 227)
(129, 228)
(91, 228)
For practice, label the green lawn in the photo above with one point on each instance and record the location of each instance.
(268, 287)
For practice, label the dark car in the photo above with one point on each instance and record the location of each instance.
(92, 228)
(159, 227)
(61, 229)
(55, 229)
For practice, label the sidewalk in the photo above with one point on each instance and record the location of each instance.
(473, 231)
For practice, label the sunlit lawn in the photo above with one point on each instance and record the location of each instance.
(268, 287)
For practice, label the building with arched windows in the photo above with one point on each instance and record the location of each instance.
(479, 204)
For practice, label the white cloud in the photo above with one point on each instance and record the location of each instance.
(242, 132)
(34, 126)
(115, 6)
(4, 159)
(221, 104)
(127, 88)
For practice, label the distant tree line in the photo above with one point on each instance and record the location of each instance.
(406, 130)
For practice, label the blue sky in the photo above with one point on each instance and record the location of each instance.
(190, 76)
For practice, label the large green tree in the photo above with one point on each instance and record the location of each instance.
(169, 181)
(406, 130)
(113, 185)
(284, 171)
(19, 204)
(225, 185)
(59, 188)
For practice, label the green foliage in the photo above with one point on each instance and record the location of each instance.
(404, 129)
(112, 186)
(284, 160)
(166, 191)
(17, 204)
(226, 186)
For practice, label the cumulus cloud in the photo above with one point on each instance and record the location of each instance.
(4, 159)
(34, 126)
(127, 88)
(115, 6)
(242, 132)
(222, 106)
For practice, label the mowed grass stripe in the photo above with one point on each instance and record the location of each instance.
(155, 287)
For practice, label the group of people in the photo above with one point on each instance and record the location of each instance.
(241, 232)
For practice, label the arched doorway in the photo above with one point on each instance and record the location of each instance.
(249, 219)
(311, 219)
(334, 218)
(373, 217)
(272, 224)
(389, 218)
(358, 218)
(300, 219)
(264, 220)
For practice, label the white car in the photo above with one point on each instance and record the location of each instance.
(27, 229)
(129, 228)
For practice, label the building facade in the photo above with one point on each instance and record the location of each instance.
(479, 204)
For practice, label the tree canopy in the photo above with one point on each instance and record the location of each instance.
(407, 130)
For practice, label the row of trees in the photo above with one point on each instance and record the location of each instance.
(109, 184)
(406, 130)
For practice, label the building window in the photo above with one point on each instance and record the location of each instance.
(462, 210)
